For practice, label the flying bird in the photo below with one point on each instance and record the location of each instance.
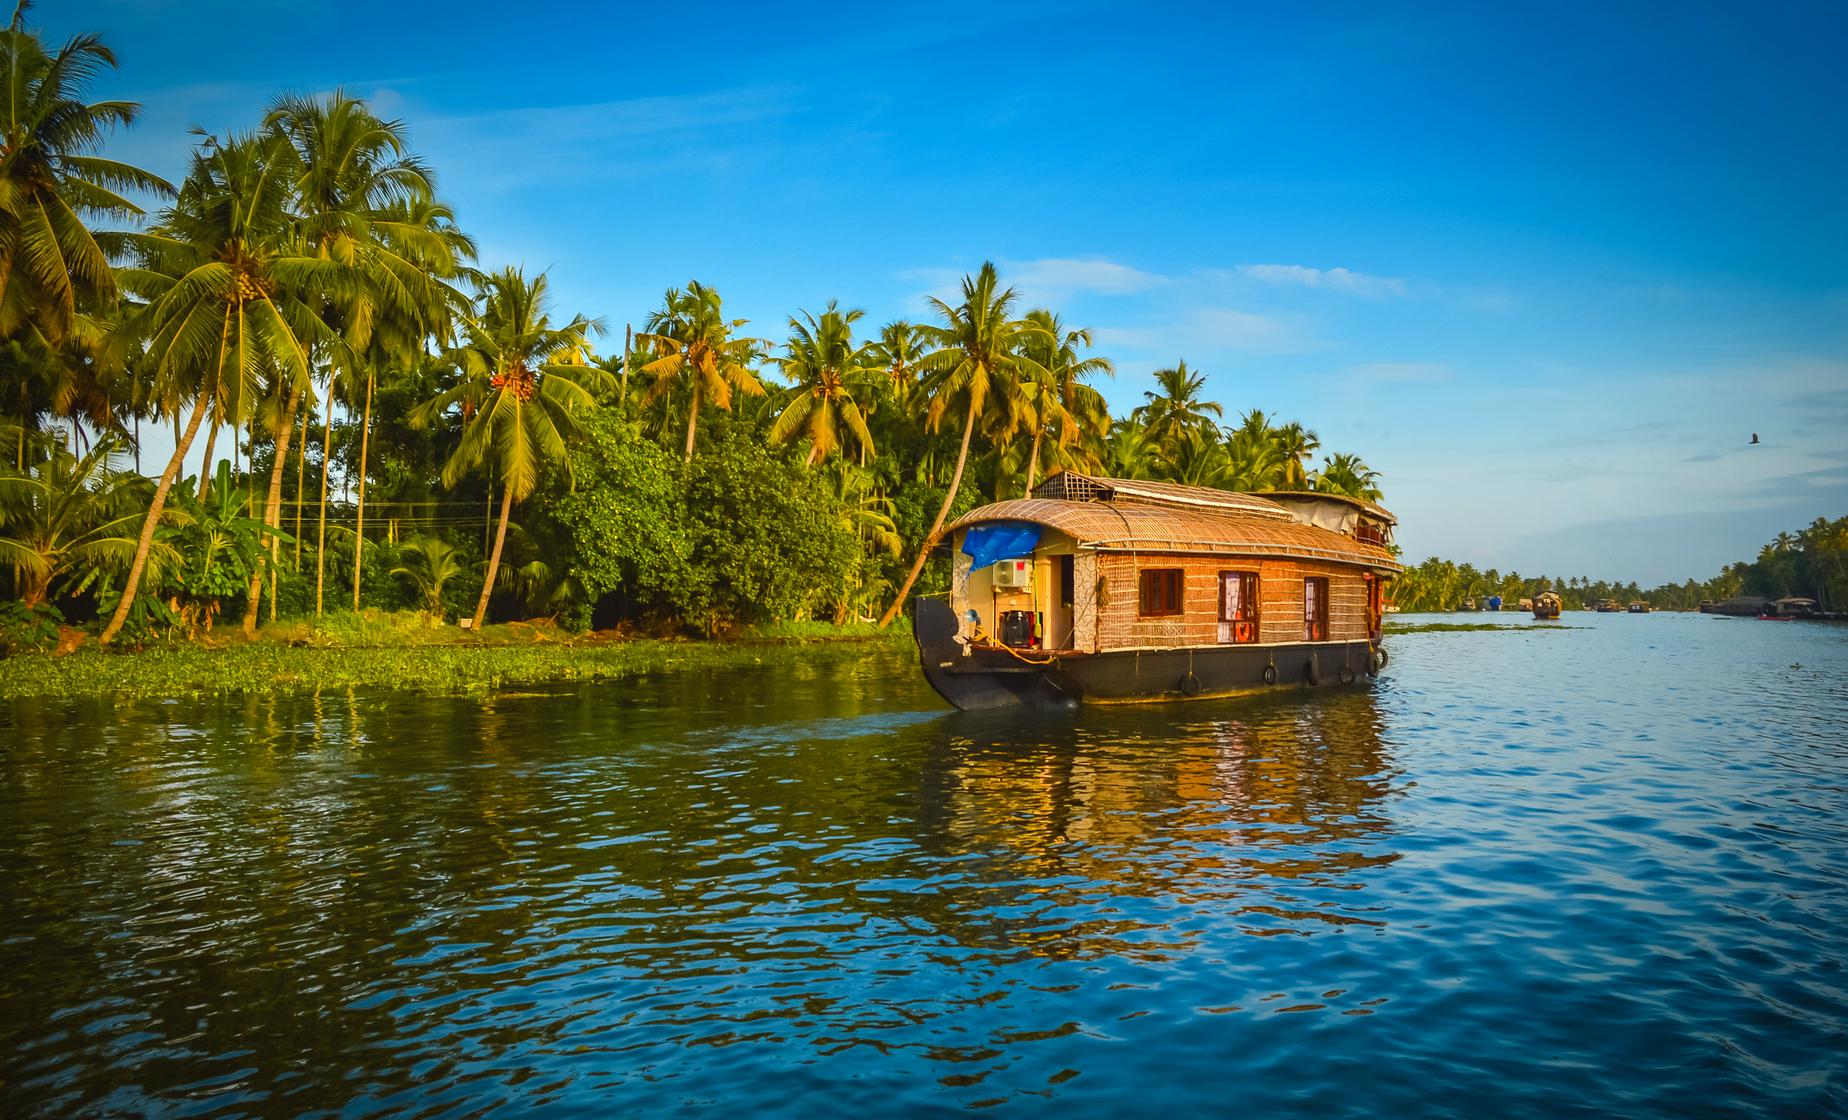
(1754, 437)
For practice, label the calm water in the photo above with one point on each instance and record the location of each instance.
(1578, 872)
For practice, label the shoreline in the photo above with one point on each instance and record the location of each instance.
(394, 654)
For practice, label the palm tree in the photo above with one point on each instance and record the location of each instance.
(1297, 445)
(1176, 408)
(1064, 402)
(822, 361)
(978, 364)
(1131, 452)
(68, 513)
(230, 301)
(427, 564)
(693, 340)
(1346, 474)
(897, 351)
(523, 381)
(367, 202)
(52, 268)
(1256, 458)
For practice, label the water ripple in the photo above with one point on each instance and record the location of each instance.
(1539, 873)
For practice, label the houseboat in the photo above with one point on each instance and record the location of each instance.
(1097, 589)
(1639, 607)
(1547, 605)
(1608, 606)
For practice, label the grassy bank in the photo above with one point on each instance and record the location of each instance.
(1465, 627)
(393, 651)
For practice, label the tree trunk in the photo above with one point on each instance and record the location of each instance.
(1033, 460)
(930, 538)
(500, 538)
(692, 423)
(320, 544)
(301, 470)
(628, 347)
(272, 505)
(146, 543)
(205, 465)
(359, 523)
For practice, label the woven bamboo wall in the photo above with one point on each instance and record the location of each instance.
(1280, 601)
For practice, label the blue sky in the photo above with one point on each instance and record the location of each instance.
(1546, 268)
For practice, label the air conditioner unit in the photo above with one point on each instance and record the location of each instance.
(1014, 573)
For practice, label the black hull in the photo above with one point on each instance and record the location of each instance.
(984, 679)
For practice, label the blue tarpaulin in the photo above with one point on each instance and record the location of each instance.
(1000, 540)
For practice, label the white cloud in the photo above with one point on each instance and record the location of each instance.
(1203, 331)
(1063, 276)
(644, 136)
(1043, 280)
(1333, 279)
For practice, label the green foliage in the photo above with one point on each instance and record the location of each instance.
(767, 538)
(624, 515)
(1812, 563)
(24, 628)
(427, 564)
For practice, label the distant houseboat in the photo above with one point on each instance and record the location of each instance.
(1100, 589)
(1639, 607)
(1608, 606)
(1547, 605)
(1742, 606)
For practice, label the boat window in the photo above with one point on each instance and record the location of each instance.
(1238, 606)
(1160, 592)
(1315, 609)
(1068, 579)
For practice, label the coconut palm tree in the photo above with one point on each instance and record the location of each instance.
(1177, 409)
(897, 351)
(366, 201)
(822, 361)
(53, 269)
(1345, 474)
(978, 366)
(523, 383)
(1074, 410)
(1256, 459)
(1130, 451)
(69, 513)
(1297, 445)
(694, 341)
(230, 301)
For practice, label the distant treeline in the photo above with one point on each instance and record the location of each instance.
(1812, 562)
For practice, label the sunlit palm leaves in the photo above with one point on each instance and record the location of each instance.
(523, 384)
(980, 369)
(822, 361)
(693, 342)
(52, 267)
(68, 516)
(1346, 474)
(231, 304)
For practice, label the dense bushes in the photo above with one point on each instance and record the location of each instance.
(738, 536)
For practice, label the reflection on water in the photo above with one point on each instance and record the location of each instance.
(760, 889)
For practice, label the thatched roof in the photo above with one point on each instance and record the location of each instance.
(1074, 487)
(1131, 526)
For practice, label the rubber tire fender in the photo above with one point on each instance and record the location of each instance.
(1313, 674)
(1270, 674)
(1190, 685)
(1345, 676)
(1380, 660)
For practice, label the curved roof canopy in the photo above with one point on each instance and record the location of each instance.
(1137, 527)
